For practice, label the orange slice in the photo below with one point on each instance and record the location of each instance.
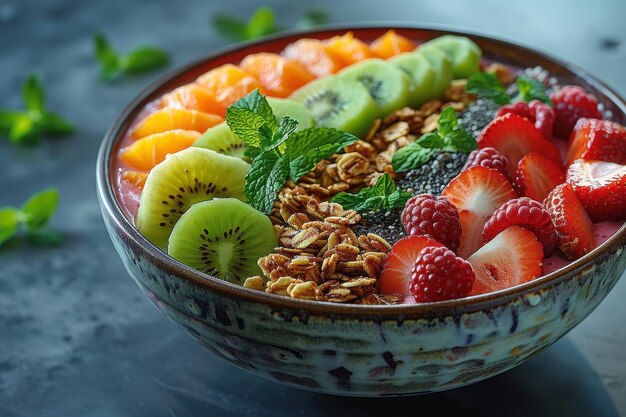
(313, 56)
(170, 119)
(136, 178)
(147, 152)
(194, 97)
(348, 49)
(390, 44)
(278, 75)
(228, 83)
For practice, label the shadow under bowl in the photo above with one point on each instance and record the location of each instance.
(358, 350)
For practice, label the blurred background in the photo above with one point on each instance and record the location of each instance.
(76, 336)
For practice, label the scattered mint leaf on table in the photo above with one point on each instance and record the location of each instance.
(382, 196)
(488, 86)
(26, 127)
(313, 18)
(278, 151)
(33, 216)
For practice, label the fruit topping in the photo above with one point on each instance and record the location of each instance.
(595, 139)
(527, 213)
(434, 217)
(511, 258)
(489, 158)
(570, 104)
(194, 97)
(541, 114)
(422, 75)
(278, 75)
(477, 192)
(571, 222)
(536, 176)
(442, 64)
(312, 54)
(463, 52)
(390, 44)
(224, 237)
(438, 274)
(170, 119)
(347, 49)
(513, 136)
(397, 266)
(229, 83)
(601, 188)
(221, 139)
(145, 153)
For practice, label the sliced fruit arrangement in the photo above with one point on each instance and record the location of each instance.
(390, 44)
(536, 176)
(597, 140)
(147, 152)
(228, 84)
(463, 52)
(278, 75)
(171, 118)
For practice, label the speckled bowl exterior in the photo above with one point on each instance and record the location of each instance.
(364, 350)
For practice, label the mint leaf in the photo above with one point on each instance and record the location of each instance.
(106, 57)
(24, 130)
(229, 27)
(313, 18)
(248, 126)
(285, 128)
(307, 147)
(267, 175)
(142, 60)
(257, 104)
(261, 23)
(430, 140)
(56, 125)
(447, 121)
(410, 157)
(39, 208)
(487, 85)
(44, 237)
(382, 196)
(9, 223)
(531, 89)
(461, 141)
(33, 95)
(7, 119)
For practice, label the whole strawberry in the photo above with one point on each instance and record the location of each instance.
(487, 157)
(438, 274)
(570, 104)
(537, 112)
(435, 217)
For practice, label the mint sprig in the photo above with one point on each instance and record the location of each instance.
(278, 151)
(381, 196)
(33, 217)
(487, 85)
(139, 60)
(27, 127)
(449, 136)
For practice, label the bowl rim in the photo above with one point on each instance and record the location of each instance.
(111, 207)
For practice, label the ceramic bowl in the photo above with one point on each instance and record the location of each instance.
(363, 350)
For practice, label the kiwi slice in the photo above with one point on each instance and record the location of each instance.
(185, 178)
(221, 139)
(388, 85)
(442, 65)
(342, 104)
(465, 54)
(224, 238)
(422, 76)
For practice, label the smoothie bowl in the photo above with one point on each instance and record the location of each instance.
(371, 211)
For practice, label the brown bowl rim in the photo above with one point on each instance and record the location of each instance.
(441, 309)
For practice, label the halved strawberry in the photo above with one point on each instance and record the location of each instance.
(601, 188)
(514, 136)
(477, 192)
(394, 278)
(536, 176)
(571, 222)
(597, 140)
(513, 257)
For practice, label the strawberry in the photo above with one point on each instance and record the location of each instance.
(570, 104)
(476, 193)
(511, 258)
(514, 136)
(597, 139)
(571, 222)
(394, 278)
(601, 188)
(536, 176)
(537, 112)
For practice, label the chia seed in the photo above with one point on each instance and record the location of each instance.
(434, 175)
(478, 115)
(386, 224)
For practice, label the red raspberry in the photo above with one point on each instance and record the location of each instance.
(438, 274)
(527, 213)
(537, 112)
(435, 217)
(488, 157)
(570, 104)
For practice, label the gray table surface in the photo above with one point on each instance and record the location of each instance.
(76, 336)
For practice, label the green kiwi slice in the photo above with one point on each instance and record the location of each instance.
(465, 54)
(224, 238)
(342, 104)
(422, 76)
(221, 139)
(388, 85)
(442, 65)
(185, 178)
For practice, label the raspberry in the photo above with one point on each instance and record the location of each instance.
(570, 104)
(435, 217)
(537, 112)
(519, 107)
(527, 213)
(488, 157)
(438, 274)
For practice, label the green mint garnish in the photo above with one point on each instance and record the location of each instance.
(488, 86)
(26, 127)
(33, 216)
(313, 18)
(448, 137)
(278, 151)
(138, 61)
(382, 196)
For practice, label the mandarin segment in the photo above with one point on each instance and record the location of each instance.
(391, 44)
(170, 119)
(147, 152)
(312, 54)
(228, 83)
(278, 75)
(348, 50)
(194, 97)
(135, 178)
